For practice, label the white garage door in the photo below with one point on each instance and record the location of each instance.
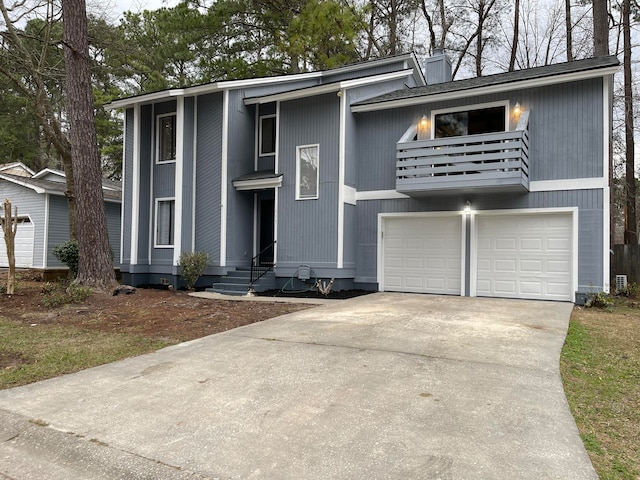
(525, 256)
(24, 245)
(422, 254)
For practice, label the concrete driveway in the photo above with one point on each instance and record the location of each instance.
(386, 386)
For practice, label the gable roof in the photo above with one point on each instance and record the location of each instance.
(530, 77)
(111, 190)
(410, 60)
(16, 168)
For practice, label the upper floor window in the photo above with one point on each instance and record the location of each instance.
(489, 119)
(167, 138)
(165, 216)
(267, 135)
(307, 166)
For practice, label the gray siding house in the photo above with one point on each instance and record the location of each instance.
(379, 175)
(43, 217)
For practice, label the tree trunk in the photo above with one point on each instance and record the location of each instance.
(479, 39)
(630, 229)
(600, 28)
(95, 268)
(516, 33)
(10, 228)
(567, 19)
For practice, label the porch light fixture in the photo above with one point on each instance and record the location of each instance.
(423, 128)
(516, 108)
(467, 207)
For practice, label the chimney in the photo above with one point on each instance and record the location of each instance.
(437, 68)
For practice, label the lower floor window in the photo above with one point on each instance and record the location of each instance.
(165, 213)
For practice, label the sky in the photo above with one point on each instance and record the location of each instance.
(115, 8)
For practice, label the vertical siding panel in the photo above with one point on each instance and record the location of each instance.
(146, 162)
(208, 171)
(241, 156)
(127, 192)
(307, 229)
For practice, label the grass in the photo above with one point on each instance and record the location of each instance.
(32, 353)
(600, 367)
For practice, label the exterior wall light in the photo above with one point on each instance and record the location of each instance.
(516, 108)
(467, 207)
(423, 128)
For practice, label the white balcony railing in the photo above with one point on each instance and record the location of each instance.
(497, 161)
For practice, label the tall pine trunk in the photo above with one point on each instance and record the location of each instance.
(569, 27)
(95, 268)
(516, 31)
(630, 228)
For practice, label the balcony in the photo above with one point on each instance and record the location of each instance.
(490, 161)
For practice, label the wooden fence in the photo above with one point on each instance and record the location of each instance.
(627, 261)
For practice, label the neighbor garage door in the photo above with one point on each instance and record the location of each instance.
(23, 243)
(422, 254)
(525, 256)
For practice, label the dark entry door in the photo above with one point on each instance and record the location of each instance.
(266, 230)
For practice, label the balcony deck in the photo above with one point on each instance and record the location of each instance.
(491, 161)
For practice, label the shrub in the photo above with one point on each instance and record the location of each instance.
(598, 300)
(632, 290)
(193, 264)
(55, 295)
(67, 253)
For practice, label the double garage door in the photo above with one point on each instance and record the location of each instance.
(23, 245)
(511, 256)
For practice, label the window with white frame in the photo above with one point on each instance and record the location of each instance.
(165, 220)
(307, 171)
(166, 133)
(488, 118)
(267, 138)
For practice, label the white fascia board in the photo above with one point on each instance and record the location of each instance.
(47, 171)
(328, 88)
(146, 98)
(23, 184)
(379, 195)
(569, 184)
(487, 90)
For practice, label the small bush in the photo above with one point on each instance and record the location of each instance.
(193, 264)
(598, 300)
(632, 290)
(67, 253)
(55, 295)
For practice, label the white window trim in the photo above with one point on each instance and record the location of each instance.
(158, 119)
(155, 222)
(260, 152)
(466, 108)
(298, 148)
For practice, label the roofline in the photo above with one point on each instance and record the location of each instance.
(248, 82)
(327, 88)
(44, 171)
(7, 166)
(489, 89)
(41, 190)
(22, 183)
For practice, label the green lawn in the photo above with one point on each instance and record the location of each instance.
(600, 367)
(31, 353)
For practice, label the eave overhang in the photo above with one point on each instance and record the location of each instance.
(484, 90)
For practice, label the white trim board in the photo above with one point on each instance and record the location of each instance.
(487, 90)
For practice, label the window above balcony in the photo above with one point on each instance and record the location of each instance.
(476, 121)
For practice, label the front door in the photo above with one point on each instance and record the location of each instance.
(266, 217)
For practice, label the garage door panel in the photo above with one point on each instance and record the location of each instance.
(430, 249)
(540, 265)
(24, 241)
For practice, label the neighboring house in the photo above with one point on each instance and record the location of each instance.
(16, 168)
(492, 186)
(43, 217)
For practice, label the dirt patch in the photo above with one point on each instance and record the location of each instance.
(162, 314)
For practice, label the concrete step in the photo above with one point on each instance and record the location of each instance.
(231, 288)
